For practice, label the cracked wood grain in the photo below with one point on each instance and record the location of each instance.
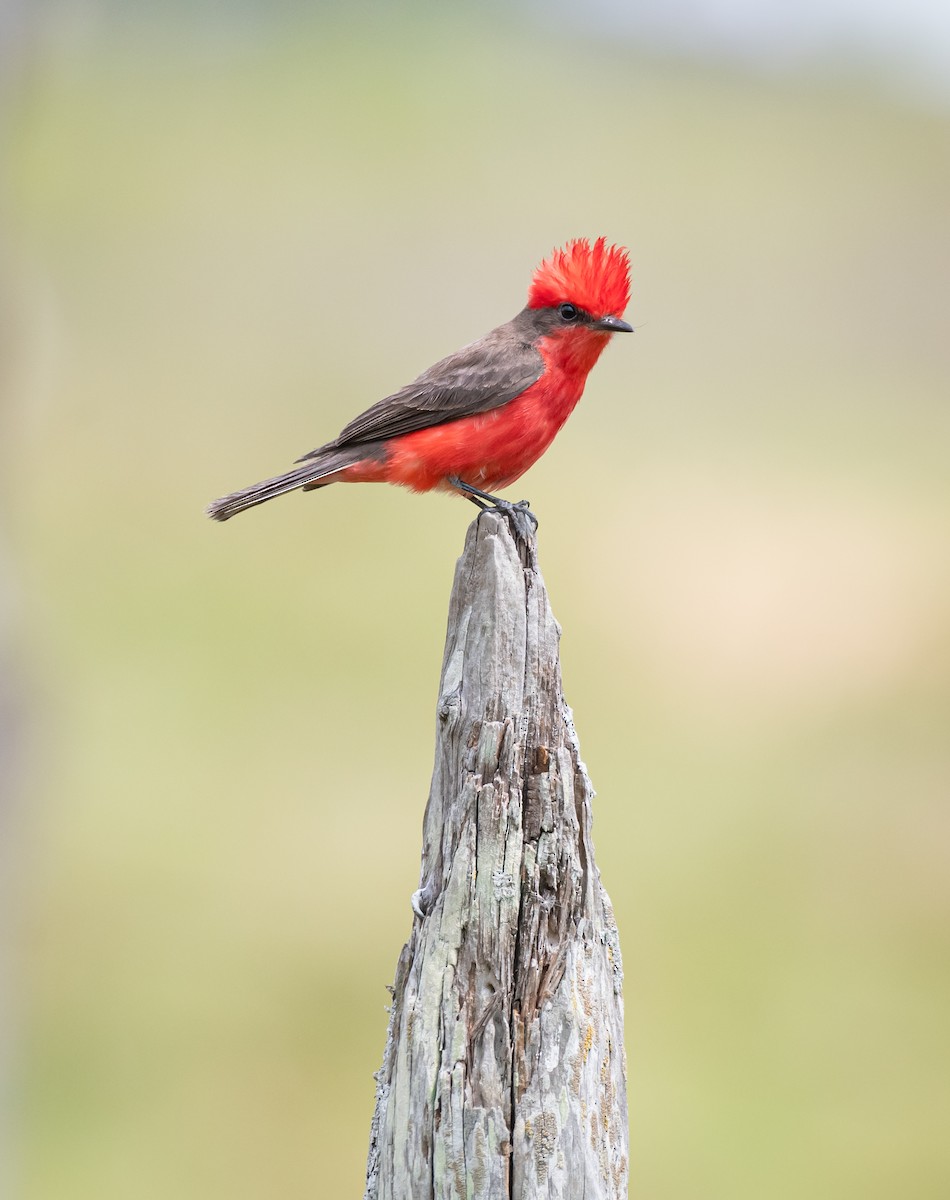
(504, 1073)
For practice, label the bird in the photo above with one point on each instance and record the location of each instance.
(477, 420)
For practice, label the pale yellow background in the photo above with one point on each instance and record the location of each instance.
(221, 245)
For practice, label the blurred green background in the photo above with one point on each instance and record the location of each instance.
(221, 240)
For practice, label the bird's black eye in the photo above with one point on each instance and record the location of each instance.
(568, 312)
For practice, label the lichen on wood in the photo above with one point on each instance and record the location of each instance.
(504, 1072)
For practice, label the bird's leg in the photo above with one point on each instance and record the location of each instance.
(520, 514)
(476, 495)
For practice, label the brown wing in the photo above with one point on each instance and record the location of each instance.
(477, 378)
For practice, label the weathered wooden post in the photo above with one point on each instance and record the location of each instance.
(504, 1072)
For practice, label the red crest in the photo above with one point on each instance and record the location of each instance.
(594, 277)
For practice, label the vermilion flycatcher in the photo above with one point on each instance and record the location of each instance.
(480, 418)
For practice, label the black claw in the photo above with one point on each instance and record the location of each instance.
(524, 522)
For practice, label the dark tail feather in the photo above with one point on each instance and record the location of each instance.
(303, 477)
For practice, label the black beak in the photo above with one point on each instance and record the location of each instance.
(612, 325)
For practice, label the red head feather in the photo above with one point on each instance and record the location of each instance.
(594, 277)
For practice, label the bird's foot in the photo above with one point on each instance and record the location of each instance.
(522, 520)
